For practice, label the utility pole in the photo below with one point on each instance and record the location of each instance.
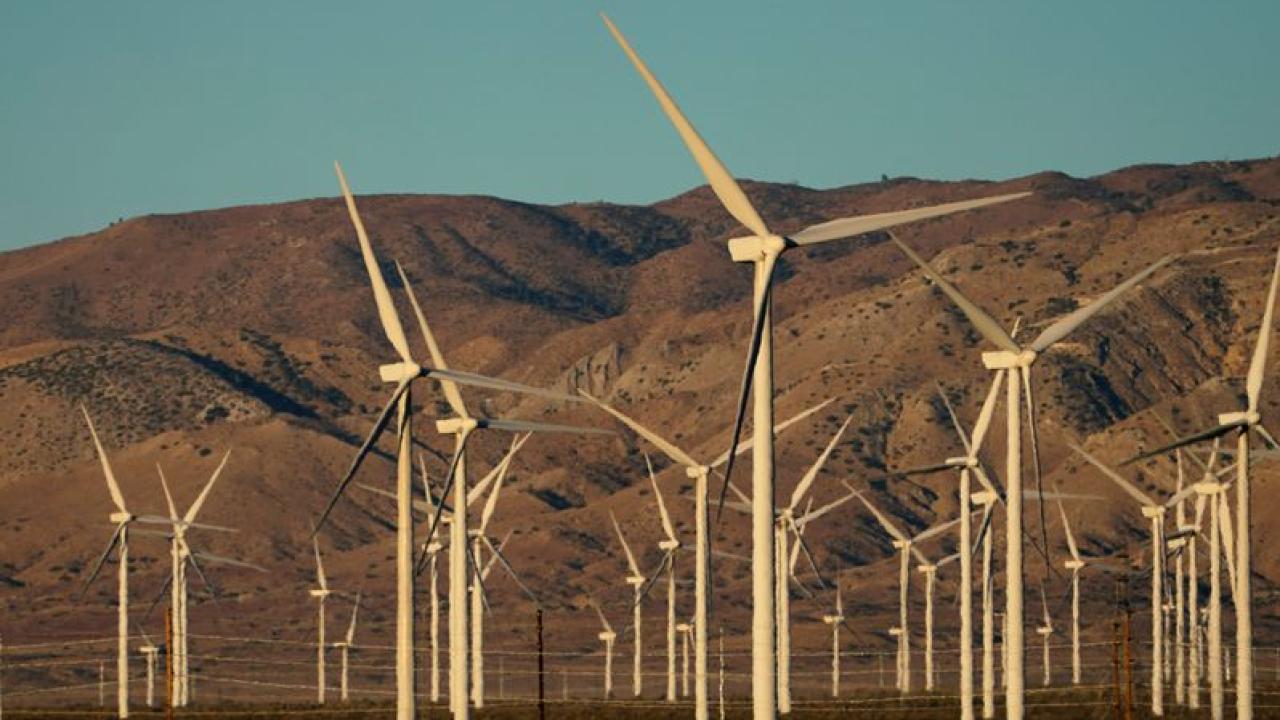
(542, 697)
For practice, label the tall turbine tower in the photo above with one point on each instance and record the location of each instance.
(835, 620)
(344, 645)
(1075, 565)
(1239, 424)
(763, 248)
(1016, 361)
(606, 636)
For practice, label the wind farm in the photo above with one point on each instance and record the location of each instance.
(884, 448)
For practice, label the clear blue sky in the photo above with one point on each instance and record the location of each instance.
(115, 109)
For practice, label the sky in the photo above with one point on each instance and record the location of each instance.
(113, 110)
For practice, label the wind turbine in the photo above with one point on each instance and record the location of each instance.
(930, 572)
(636, 581)
(122, 519)
(149, 650)
(987, 499)
(906, 546)
(1045, 631)
(180, 554)
(1016, 361)
(685, 629)
(320, 593)
(668, 547)
(345, 646)
(403, 373)
(835, 621)
(1075, 565)
(698, 472)
(1240, 423)
(1155, 512)
(606, 636)
(763, 248)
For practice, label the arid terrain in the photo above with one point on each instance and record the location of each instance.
(253, 329)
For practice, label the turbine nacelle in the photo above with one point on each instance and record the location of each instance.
(1006, 360)
(832, 619)
(668, 545)
(961, 462)
(636, 580)
(697, 471)
(456, 426)
(927, 569)
(318, 593)
(1152, 512)
(1073, 564)
(1209, 488)
(120, 518)
(399, 372)
(1044, 630)
(1243, 419)
(607, 636)
(982, 498)
(753, 248)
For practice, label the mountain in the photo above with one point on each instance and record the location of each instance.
(252, 329)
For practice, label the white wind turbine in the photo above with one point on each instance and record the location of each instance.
(1016, 361)
(668, 547)
(685, 629)
(702, 541)
(1155, 512)
(835, 620)
(930, 572)
(149, 650)
(636, 581)
(180, 554)
(763, 248)
(1240, 423)
(1075, 565)
(1045, 631)
(122, 518)
(345, 644)
(403, 373)
(606, 636)
(906, 546)
(320, 593)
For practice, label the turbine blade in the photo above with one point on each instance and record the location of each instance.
(884, 521)
(324, 584)
(475, 492)
(631, 559)
(492, 503)
(676, 454)
(747, 444)
(383, 419)
(450, 389)
(807, 481)
(355, 610)
(1066, 527)
(112, 486)
(722, 183)
(506, 565)
(1258, 363)
(1029, 395)
(448, 484)
(1267, 436)
(467, 378)
(922, 470)
(1066, 325)
(984, 415)
(221, 560)
(102, 559)
(600, 613)
(1128, 487)
(477, 577)
(1228, 540)
(851, 226)
(644, 591)
(1212, 433)
(812, 515)
(204, 494)
(168, 496)
(419, 505)
(528, 426)
(381, 295)
(934, 531)
(213, 591)
(955, 421)
(757, 335)
(667, 527)
(982, 322)
(159, 596)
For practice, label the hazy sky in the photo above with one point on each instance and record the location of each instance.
(115, 109)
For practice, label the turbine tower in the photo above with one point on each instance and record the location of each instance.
(1016, 361)
(1075, 565)
(835, 621)
(763, 248)
(1239, 424)
(606, 636)
(1045, 631)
